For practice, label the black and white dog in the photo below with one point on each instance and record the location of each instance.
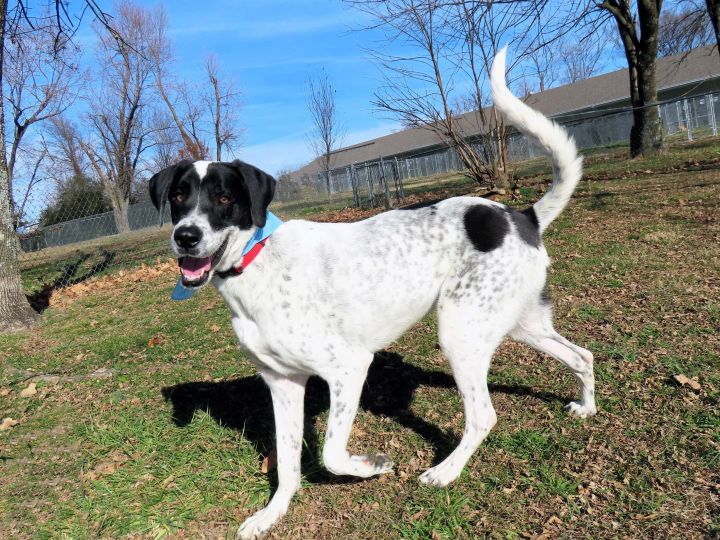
(303, 308)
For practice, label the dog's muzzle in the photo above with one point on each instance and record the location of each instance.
(196, 271)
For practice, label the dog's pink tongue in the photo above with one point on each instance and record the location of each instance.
(193, 268)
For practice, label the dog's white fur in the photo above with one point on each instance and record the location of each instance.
(320, 299)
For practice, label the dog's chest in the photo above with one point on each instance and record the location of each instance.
(266, 348)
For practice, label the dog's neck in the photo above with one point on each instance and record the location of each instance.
(237, 240)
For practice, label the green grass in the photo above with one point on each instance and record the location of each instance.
(171, 444)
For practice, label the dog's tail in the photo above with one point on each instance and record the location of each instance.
(554, 141)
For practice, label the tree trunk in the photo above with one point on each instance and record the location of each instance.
(646, 135)
(15, 311)
(714, 13)
(120, 213)
(640, 41)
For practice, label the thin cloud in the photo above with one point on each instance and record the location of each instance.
(272, 28)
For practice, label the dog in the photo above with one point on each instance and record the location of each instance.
(321, 299)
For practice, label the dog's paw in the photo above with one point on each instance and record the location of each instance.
(362, 466)
(373, 463)
(581, 411)
(258, 525)
(440, 476)
(368, 465)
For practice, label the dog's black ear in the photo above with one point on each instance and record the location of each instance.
(261, 188)
(159, 186)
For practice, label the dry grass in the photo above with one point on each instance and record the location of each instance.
(171, 444)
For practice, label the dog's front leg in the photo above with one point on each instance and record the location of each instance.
(346, 383)
(288, 395)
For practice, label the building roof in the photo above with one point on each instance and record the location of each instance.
(598, 92)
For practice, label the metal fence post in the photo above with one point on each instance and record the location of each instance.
(711, 113)
(688, 121)
(398, 182)
(353, 183)
(368, 177)
(383, 179)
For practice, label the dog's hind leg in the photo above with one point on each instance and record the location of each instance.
(468, 340)
(535, 328)
(346, 383)
(288, 394)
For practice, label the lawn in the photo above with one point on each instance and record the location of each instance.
(140, 418)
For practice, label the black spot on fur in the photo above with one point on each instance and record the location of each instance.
(545, 295)
(527, 225)
(486, 227)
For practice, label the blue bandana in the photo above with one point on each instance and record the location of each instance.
(272, 222)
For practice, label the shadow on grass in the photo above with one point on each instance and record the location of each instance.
(40, 300)
(245, 405)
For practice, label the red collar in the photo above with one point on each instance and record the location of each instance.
(246, 260)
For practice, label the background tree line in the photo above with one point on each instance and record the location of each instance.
(91, 135)
(101, 131)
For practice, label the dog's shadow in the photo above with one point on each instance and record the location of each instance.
(245, 405)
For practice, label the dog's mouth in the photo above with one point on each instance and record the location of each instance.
(196, 271)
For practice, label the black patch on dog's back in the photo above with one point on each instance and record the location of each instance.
(486, 227)
(527, 225)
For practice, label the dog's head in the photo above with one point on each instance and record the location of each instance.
(215, 208)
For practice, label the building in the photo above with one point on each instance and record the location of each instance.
(595, 110)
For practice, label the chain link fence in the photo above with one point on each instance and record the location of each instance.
(65, 236)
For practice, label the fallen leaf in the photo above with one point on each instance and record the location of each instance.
(155, 340)
(552, 520)
(269, 462)
(4, 391)
(215, 328)
(31, 390)
(7, 423)
(686, 381)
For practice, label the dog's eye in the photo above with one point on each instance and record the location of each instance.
(178, 197)
(224, 199)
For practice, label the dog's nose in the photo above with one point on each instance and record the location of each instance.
(188, 237)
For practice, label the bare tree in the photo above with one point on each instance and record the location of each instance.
(447, 48)
(580, 60)
(683, 30)
(169, 148)
(41, 78)
(180, 99)
(713, 9)
(639, 35)
(65, 150)
(326, 133)
(637, 25)
(542, 66)
(197, 111)
(35, 156)
(15, 311)
(223, 106)
(118, 126)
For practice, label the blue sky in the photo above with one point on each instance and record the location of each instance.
(270, 48)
